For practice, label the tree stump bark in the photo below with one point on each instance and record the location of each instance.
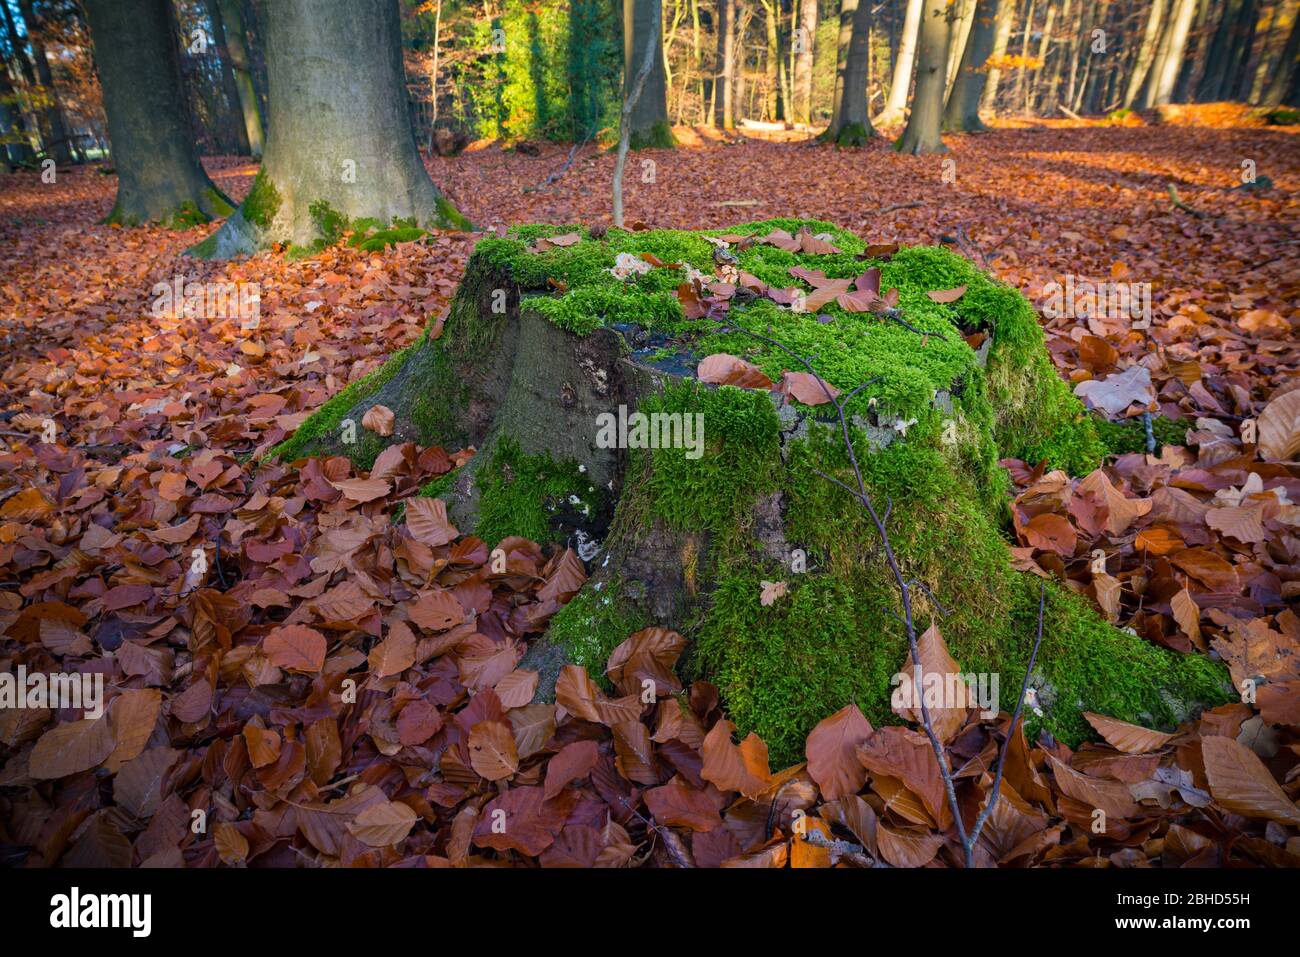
(773, 572)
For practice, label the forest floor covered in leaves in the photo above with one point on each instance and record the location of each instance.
(227, 678)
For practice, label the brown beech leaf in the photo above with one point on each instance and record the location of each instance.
(395, 653)
(382, 824)
(771, 591)
(907, 847)
(723, 369)
(295, 648)
(492, 751)
(807, 388)
(363, 490)
(1240, 782)
(1129, 738)
(832, 751)
(732, 767)
(940, 685)
(1278, 428)
(71, 747)
(426, 519)
(379, 419)
(946, 295)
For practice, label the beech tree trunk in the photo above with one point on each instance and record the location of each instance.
(339, 142)
(241, 65)
(55, 131)
(1164, 72)
(228, 84)
(962, 114)
(1146, 52)
(1286, 67)
(903, 65)
(803, 61)
(649, 118)
(1001, 37)
(159, 176)
(851, 123)
(922, 134)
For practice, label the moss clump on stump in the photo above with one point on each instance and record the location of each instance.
(540, 344)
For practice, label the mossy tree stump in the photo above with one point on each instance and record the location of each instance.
(539, 344)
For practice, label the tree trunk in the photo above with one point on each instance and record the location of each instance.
(1146, 52)
(851, 124)
(1043, 46)
(228, 85)
(962, 114)
(1052, 95)
(683, 534)
(723, 82)
(961, 26)
(803, 61)
(904, 63)
(159, 176)
(57, 144)
(922, 134)
(649, 119)
(1022, 74)
(339, 143)
(1001, 37)
(1164, 72)
(1286, 68)
(13, 122)
(241, 65)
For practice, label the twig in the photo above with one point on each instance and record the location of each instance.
(672, 843)
(897, 206)
(634, 94)
(1179, 204)
(966, 838)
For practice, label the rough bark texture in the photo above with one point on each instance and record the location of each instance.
(649, 117)
(339, 142)
(159, 177)
(851, 123)
(687, 542)
(904, 65)
(922, 134)
(962, 114)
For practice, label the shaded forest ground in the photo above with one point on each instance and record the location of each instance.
(169, 407)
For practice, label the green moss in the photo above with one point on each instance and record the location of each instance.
(219, 202)
(206, 247)
(855, 134)
(187, 216)
(449, 217)
(326, 420)
(522, 494)
(658, 136)
(262, 202)
(1130, 435)
(739, 462)
(593, 624)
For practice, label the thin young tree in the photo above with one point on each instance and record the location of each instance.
(54, 127)
(636, 85)
(159, 176)
(648, 123)
(904, 64)
(850, 122)
(805, 37)
(1001, 37)
(724, 87)
(339, 145)
(962, 113)
(922, 133)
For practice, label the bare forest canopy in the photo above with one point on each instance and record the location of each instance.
(524, 70)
